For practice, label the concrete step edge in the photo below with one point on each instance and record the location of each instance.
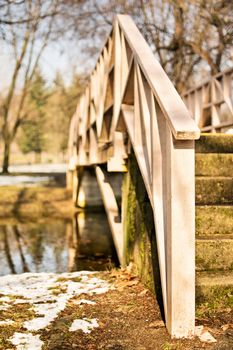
(214, 279)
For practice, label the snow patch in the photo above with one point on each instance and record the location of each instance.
(85, 325)
(5, 299)
(4, 307)
(26, 341)
(6, 322)
(47, 313)
(48, 294)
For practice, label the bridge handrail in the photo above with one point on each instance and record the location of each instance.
(130, 101)
(178, 117)
(207, 80)
(211, 102)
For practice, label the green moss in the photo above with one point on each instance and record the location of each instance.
(128, 208)
(139, 231)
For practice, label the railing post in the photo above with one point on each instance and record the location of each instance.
(180, 236)
(69, 179)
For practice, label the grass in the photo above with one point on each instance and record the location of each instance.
(220, 301)
(74, 279)
(17, 313)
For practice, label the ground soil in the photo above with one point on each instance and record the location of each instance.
(129, 319)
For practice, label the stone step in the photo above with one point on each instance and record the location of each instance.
(214, 254)
(214, 143)
(214, 220)
(214, 164)
(214, 190)
(214, 287)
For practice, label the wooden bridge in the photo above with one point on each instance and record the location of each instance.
(131, 107)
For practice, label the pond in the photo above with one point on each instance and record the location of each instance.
(57, 245)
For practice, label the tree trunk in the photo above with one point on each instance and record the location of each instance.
(6, 156)
(37, 157)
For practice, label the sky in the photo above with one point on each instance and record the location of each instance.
(63, 56)
(54, 59)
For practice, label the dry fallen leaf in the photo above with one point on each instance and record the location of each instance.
(132, 283)
(157, 324)
(144, 292)
(225, 327)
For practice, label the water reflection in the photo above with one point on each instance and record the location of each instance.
(83, 243)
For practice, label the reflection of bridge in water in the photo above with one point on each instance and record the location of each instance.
(57, 245)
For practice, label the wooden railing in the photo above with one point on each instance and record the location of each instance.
(130, 104)
(211, 103)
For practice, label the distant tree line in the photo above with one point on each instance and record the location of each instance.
(50, 108)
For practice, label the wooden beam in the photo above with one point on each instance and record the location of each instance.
(180, 236)
(112, 212)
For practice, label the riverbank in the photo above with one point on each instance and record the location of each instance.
(35, 202)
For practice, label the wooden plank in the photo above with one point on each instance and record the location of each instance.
(206, 81)
(215, 92)
(117, 162)
(117, 78)
(217, 126)
(158, 145)
(144, 93)
(112, 212)
(227, 90)
(127, 98)
(128, 114)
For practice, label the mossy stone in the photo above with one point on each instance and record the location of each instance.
(213, 164)
(214, 220)
(139, 230)
(214, 190)
(214, 143)
(214, 254)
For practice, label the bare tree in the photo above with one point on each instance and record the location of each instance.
(188, 36)
(28, 41)
(27, 28)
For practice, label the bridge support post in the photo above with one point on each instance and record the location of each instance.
(180, 236)
(77, 176)
(69, 179)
